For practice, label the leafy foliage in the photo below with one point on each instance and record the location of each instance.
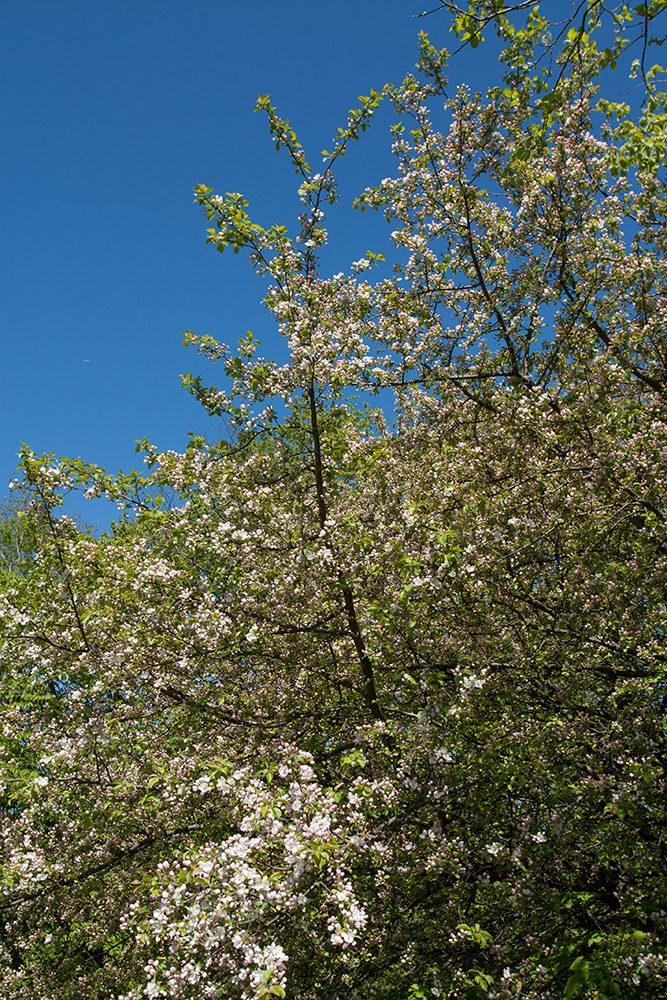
(377, 709)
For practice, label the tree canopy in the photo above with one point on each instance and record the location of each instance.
(374, 705)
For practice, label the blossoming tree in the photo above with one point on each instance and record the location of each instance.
(376, 708)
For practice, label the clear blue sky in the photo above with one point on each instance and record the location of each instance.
(114, 110)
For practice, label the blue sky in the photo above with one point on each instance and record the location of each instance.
(114, 111)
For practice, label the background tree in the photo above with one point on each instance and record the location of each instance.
(17, 543)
